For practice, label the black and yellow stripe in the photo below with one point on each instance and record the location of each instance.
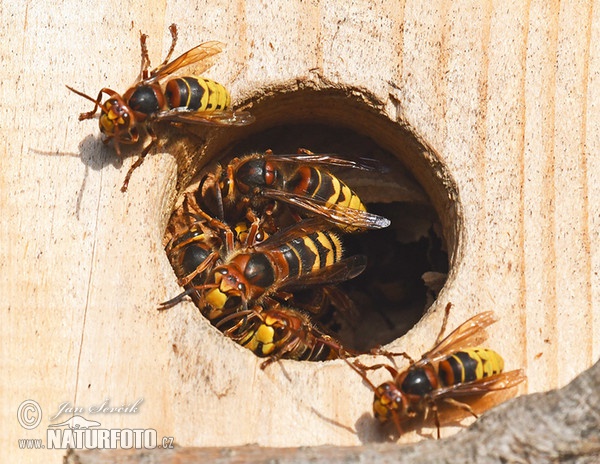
(459, 367)
(469, 365)
(323, 186)
(312, 252)
(197, 94)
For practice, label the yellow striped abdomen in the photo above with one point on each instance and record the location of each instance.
(469, 365)
(323, 186)
(197, 94)
(312, 252)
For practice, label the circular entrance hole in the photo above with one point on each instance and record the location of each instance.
(408, 263)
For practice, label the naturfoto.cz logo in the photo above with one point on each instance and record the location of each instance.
(79, 432)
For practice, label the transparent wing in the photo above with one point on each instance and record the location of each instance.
(297, 230)
(341, 271)
(469, 333)
(195, 55)
(213, 118)
(326, 159)
(338, 214)
(349, 217)
(496, 382)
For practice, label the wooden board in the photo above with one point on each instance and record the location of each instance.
(503, 98)
(507, 425)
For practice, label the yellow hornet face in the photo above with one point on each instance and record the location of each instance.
(228, 292)
(263, 341)
(116, 121)
(216, 298)
(387, 399)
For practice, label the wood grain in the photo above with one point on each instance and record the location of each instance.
(493, 105)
